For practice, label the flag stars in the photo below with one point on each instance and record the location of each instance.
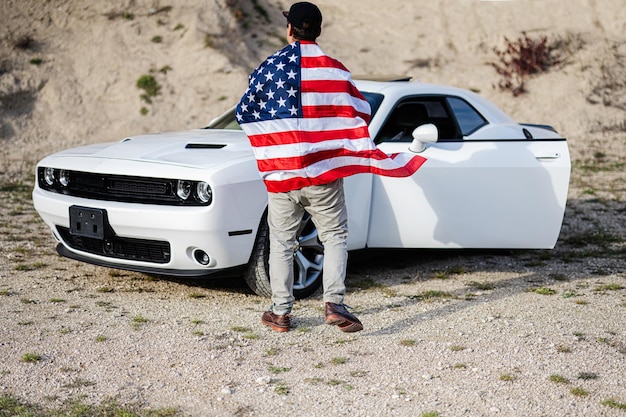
(273, 89)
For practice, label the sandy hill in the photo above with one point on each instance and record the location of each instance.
(69, 68)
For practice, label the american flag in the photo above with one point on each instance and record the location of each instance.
(307, 122)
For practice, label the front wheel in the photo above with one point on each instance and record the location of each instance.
(308, 261)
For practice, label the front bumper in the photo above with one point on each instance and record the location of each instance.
(217, 230)
(190, 273)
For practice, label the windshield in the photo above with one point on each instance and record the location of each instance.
(229, 121)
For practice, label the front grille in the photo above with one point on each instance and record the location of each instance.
(123, 188)
(155, 188)
(119, 247)
(120, 188)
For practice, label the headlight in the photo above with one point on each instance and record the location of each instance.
(64, 178)
(204, 192)
(48, 176)
(183, 189)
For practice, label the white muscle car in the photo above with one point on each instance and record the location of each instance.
(192, 203)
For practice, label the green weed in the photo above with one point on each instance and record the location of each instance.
(196, 295)
(150, 86)
(137, 321)
(609, 287)
(507, 377)
(31, 357)
(558, 379)
(281, 389)
(272, 352)
(12, 406)
(432, 295)
(481, 286)
(240, 329)
(614, 404)
(545, 291)
(277, 369)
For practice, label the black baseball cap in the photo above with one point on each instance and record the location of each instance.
(302, 12)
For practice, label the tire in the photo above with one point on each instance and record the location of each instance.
(308, 261)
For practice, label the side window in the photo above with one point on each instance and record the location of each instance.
(225, 121)
(374, 100)
(416, 111)
(468, 118)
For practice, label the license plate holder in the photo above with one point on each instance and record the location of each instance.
(87, 222)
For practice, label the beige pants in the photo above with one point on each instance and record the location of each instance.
(326, 205)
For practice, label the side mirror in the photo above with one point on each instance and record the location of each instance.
(422, 135)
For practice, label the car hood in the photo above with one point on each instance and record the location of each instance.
(193, 148)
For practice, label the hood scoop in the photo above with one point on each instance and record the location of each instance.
(204, 146)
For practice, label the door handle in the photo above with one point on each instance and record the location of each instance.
(550, 156)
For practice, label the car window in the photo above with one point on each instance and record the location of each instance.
(374, 99)
(468, 118)
(225, 121)
(416, 111)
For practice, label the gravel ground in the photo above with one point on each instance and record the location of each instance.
(457, 333)
(448, 334)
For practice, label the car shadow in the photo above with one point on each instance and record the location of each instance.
(229, 283)
(585, 248)
(592, 244)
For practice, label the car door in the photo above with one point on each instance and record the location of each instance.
(501, 191)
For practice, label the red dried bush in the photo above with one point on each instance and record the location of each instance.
(521, 58)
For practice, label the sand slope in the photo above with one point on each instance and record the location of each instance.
(93, 53)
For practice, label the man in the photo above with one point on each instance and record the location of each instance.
(307, 124)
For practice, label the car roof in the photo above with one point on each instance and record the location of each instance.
(396, 88)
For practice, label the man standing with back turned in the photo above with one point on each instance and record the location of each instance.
(307, 124)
